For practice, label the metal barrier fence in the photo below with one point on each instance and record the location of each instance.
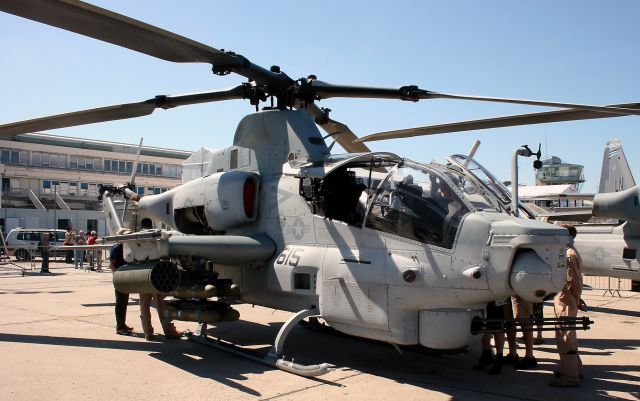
(608, 285)
(21, 260)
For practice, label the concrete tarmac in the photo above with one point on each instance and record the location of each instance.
(58, 342)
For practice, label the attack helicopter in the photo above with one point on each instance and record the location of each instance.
(376, 245)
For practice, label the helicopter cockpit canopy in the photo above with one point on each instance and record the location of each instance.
(381, 191)
(483, 179)
(419, 202)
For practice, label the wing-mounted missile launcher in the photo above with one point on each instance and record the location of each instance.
(378, 246)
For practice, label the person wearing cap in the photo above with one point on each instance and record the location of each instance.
(91, 240)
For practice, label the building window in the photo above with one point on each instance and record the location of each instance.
(24, 158)
(92, 225)
(140, 191)
(58, 160)
(129, 166)
(45, 159)
(73, 162)
(107, 165)
(15, 157)
(35, 158)
(145, 168)
(81, 163)
(46, 184)
(114, 166)
(91, 162)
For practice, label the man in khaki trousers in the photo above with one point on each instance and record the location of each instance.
(566, 304)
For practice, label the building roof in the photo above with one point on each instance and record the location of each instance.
(93, 144)
(540, 191)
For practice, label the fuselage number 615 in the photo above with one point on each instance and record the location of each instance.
(290, 256)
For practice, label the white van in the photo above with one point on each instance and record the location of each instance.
(23, 242)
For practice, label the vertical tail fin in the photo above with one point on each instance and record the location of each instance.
(615, 175)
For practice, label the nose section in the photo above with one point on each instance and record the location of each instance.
(530, 256)
(531, 277)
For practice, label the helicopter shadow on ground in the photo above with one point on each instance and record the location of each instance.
(623, 312)
(450, 374)
(182, 354)
(608, 344)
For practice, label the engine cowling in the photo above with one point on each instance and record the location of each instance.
(216, 202)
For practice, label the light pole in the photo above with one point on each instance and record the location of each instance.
(526, 152)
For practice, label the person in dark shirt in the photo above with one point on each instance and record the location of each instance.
(44, 244)
(116, 260)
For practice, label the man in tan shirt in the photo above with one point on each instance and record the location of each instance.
(566, 304)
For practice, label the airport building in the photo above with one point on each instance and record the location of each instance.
(53, 181)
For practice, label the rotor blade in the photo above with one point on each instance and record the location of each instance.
(110, 113)
(131, 183)
(135, 164)
(338, 131)
(119, 112)
(497, 122)
(99, 23)
(324, 90)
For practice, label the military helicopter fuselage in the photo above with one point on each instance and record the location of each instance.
(379, 255)
(376, 245)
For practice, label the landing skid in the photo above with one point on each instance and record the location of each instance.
(275, 356)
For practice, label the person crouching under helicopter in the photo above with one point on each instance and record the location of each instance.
(566, 304)
(145, 305)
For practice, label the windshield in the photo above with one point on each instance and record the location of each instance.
(489, 182)
(484, 176)
(418, 203)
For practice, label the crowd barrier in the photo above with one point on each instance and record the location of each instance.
(29, 258)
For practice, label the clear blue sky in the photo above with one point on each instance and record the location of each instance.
(569, 51)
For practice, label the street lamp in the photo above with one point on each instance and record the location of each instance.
(525, 152)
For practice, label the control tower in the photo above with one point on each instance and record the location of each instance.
(555, 172)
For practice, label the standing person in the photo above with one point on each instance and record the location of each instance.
(494, 311)
(78, 254)
(538, 314)
(145, 305)
(566, 304)
(68, 240)
(524, 310)
(116, 260)
(91, 240)
(44, 244)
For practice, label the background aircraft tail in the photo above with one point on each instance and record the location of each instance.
(615, 175)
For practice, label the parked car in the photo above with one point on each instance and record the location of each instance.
(23, 242)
